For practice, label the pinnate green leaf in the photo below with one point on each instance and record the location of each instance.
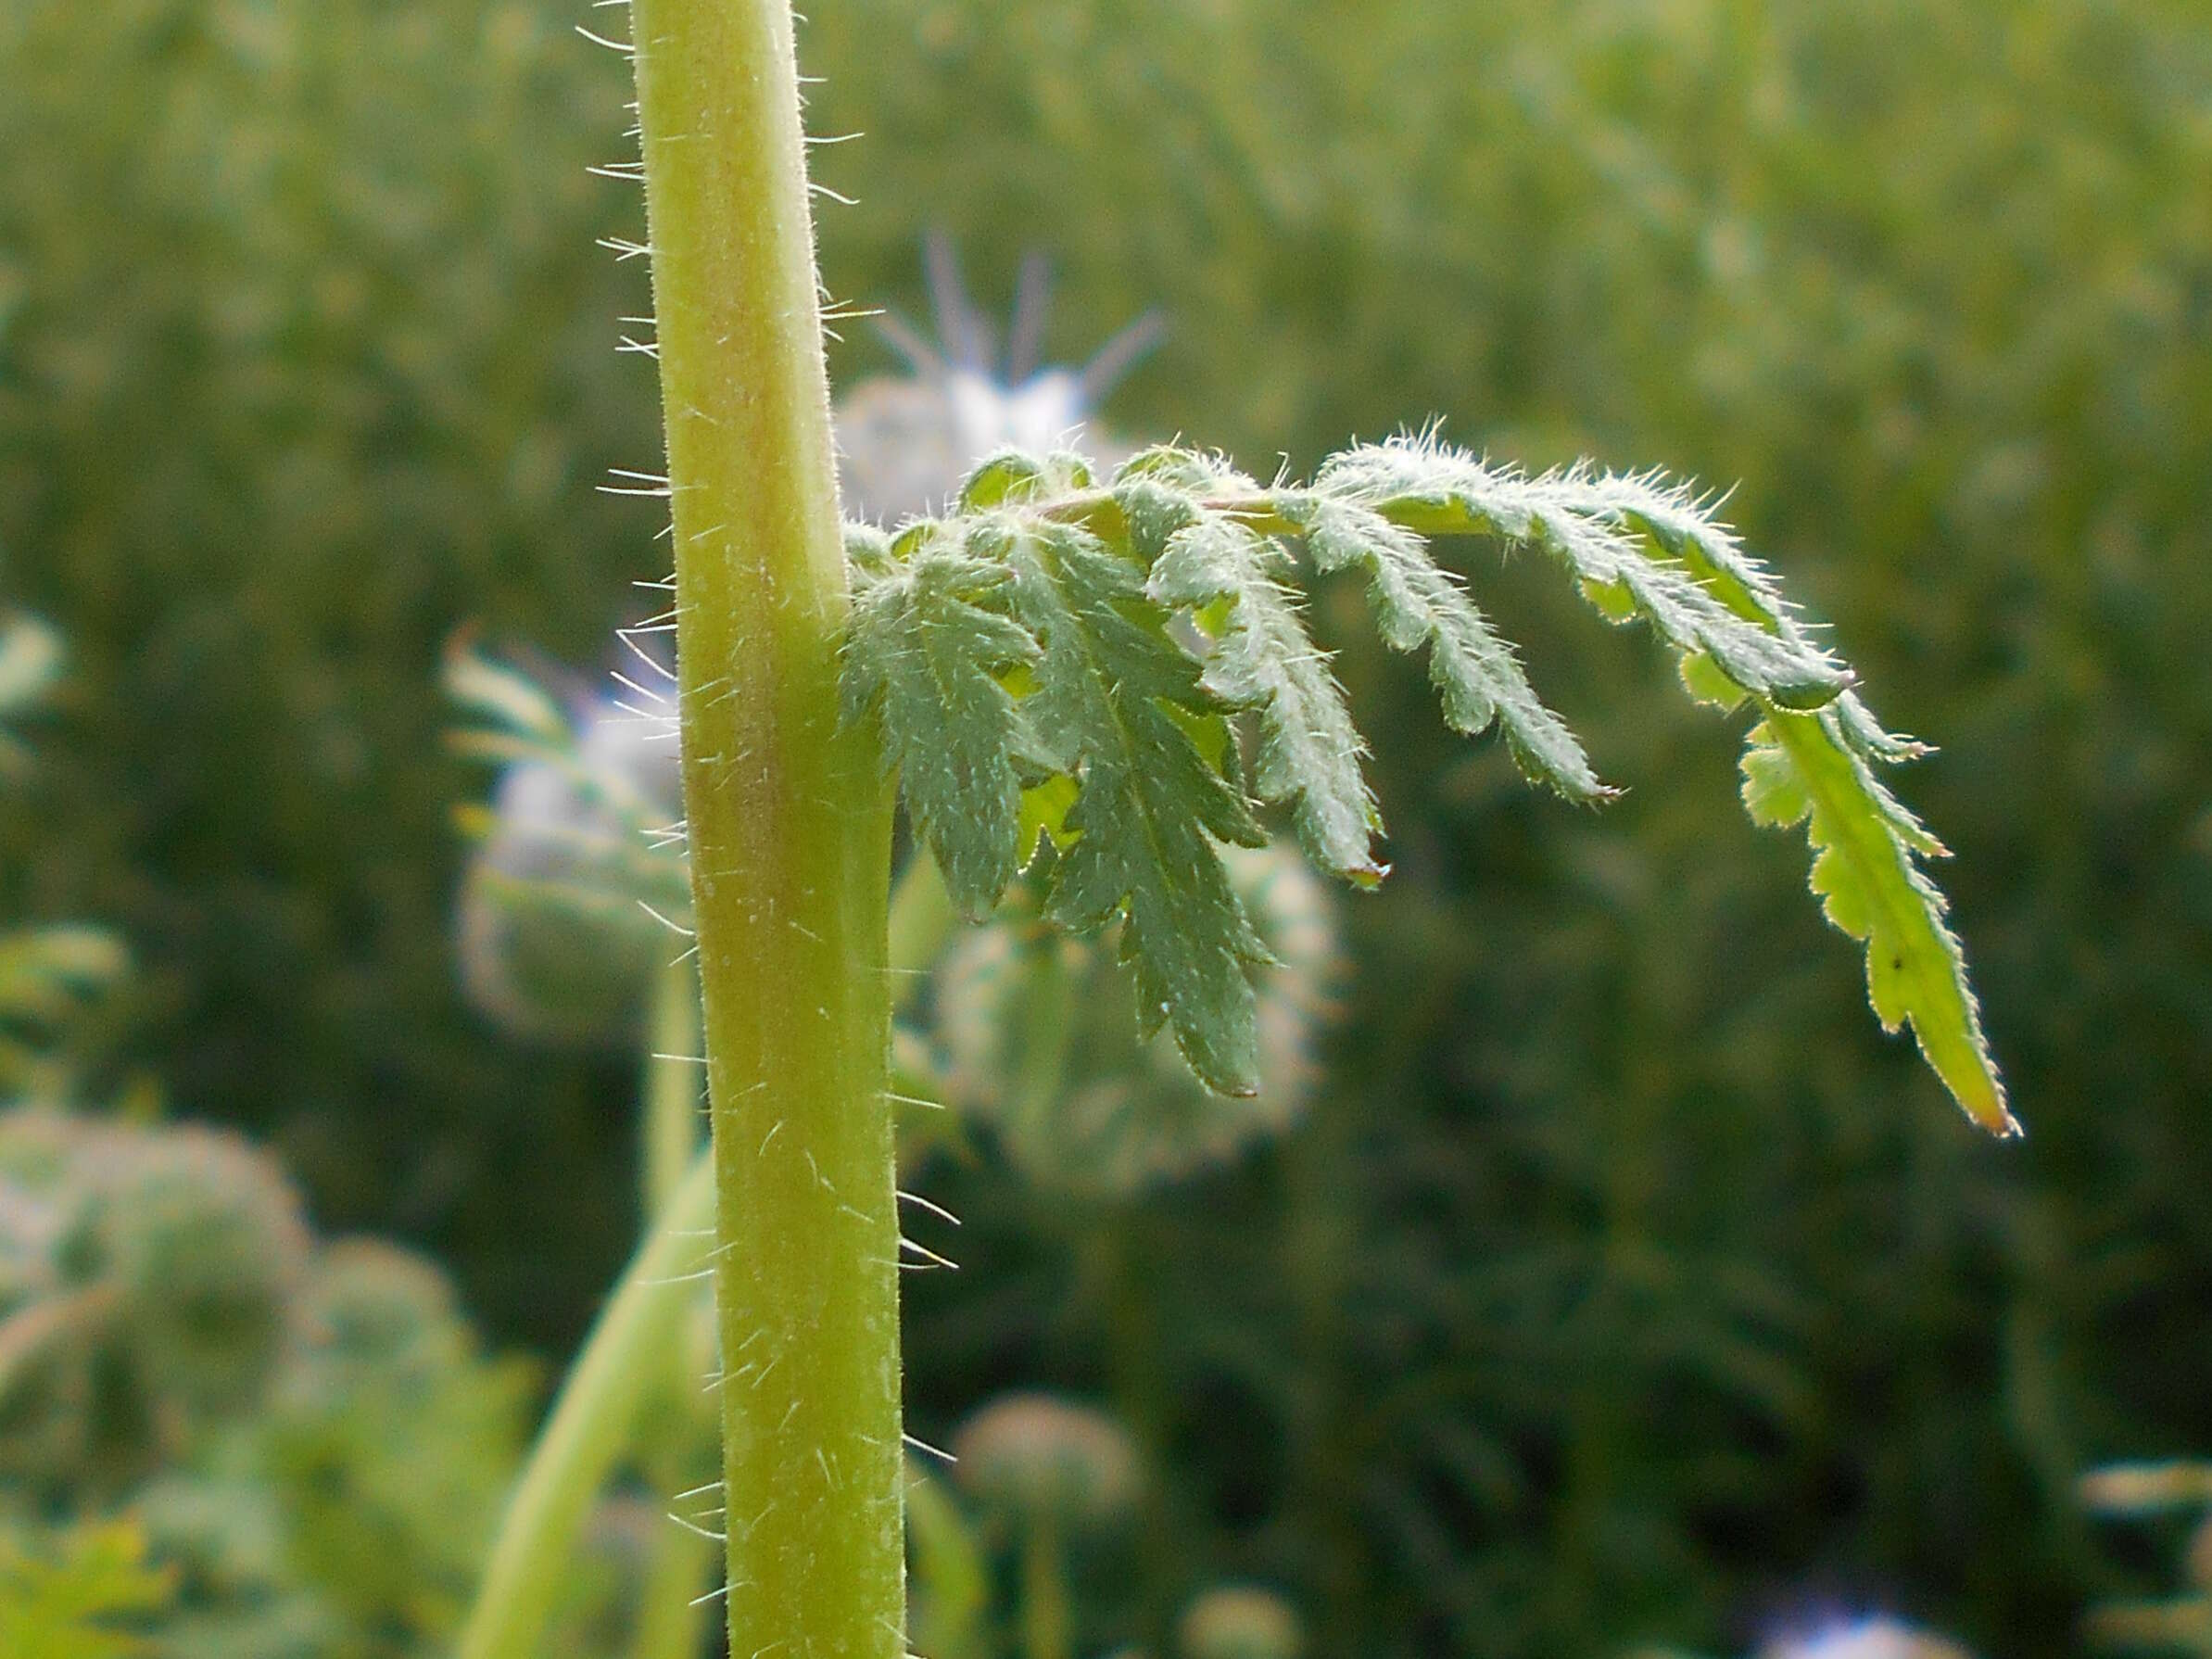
(1621, 539)
(1056, 670)
(1416, 604)
(1805, 769)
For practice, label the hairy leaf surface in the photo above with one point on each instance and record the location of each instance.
(1417, 604)
(1803, 768)
(1117, 702)
(1590, 523)
(930, 650)
(1262, 659)
(1055, 671)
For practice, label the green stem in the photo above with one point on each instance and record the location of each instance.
(670, 1085)
(1047, 1618)
(670, 1615)
(592, 1422)
(790, 837)
(589, 1429)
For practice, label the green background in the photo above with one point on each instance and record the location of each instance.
(1624, 1283)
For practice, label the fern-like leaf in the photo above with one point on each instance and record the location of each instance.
(1624, 563)
(1418, 604)
(1065, 658)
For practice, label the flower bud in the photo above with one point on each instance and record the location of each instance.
(1044, 1461)
(1240, 1621)
(558, 914)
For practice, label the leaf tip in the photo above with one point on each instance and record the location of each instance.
(1981, 1094)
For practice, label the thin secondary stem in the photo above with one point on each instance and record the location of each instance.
(922, 917)
(1047, 1618)
(671, 1616)
(670, 1085)
(789, 838)
(589, 1429)
(677, 1430)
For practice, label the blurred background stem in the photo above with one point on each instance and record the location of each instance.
(588, 1429)
(670, 1612)
(1047, 1618)
(670, 1085)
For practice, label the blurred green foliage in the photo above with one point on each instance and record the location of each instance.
(2167, 1623)
(79, 1594)
(1619, 1281)
(305, 1437)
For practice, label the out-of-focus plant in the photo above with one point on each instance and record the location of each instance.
(949, 1610)
(904, 443)
(2180, 1623)
(80, 1592)
(1037, 1044)
(1240, 1621)
(565, 911)
(310, 1442)
(31, 661)
(150, 1278)
(303, 1437)
(1042, 1486)
(48, 974)
(1046, 1473)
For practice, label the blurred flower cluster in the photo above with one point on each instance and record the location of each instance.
(304, 1435)
(568, 902)
(903, 443)
(220, 1435)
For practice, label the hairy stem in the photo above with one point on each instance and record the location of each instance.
(789, 836)
(594, 1420)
